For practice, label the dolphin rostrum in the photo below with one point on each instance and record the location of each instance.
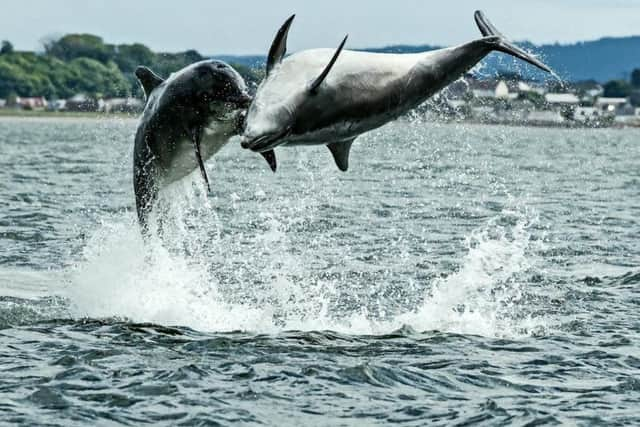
(187, 118)
(322, 96)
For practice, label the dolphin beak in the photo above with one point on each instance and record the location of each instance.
(265, 142)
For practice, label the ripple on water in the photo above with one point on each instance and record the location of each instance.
(481, 275)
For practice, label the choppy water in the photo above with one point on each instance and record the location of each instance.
(456, 274)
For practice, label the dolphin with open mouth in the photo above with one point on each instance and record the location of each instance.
(330, 97)
(187, 118)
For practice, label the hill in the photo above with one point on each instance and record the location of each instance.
(84, 63)
(601, 60)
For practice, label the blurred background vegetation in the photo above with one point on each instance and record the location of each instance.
(84, 63)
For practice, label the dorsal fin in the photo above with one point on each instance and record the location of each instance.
(340, 151)
(317, 82)
(279, 46)
(148, 79)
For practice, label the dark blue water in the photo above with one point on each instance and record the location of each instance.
(455, 275)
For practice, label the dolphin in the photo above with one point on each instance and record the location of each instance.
(328, 97)
(187, 118)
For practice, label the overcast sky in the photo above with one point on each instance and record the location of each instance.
(248, 26)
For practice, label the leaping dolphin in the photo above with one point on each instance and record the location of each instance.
(187, 118)
(322, 96)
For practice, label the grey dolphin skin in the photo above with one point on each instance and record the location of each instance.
(326, 96)
(187, 118)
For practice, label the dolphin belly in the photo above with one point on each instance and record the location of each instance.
(181, 164)
(182, 161)
(345, 128)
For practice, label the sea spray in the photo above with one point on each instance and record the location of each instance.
(421, 232)
(483, 296)
(200, 276)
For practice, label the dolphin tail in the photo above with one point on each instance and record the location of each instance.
(498, 42)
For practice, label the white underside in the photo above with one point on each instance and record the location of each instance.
(184, 162)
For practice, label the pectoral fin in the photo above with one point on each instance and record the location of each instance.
(340, 151)
(196, 137)
(270, 157)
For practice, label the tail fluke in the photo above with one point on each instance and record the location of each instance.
(500, 43)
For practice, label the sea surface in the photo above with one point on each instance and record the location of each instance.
(455, 275)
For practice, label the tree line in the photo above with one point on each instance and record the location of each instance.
(623, 88)
(84, 63)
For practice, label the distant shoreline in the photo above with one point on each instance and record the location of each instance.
(64, 115)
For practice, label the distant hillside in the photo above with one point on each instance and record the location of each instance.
(605, 59)
(602, 60)
(84, 63)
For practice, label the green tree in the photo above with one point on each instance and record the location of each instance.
(6, 47)
(74, 46)
(129, 56)
(252, 76)
(83, 63)
(94, 78)
(635, 78)
(12, 99)
(617, 88)
(10, 77)
(167, 63)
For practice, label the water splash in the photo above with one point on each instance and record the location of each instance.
(201, 276)
(484, 296)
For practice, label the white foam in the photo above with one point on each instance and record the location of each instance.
(483, 297)
(266, 288)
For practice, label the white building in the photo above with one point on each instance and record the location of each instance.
(502, 90)
(494, 90)
(610, 105)
(32, 102)
(562, 99)
(627, 114)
